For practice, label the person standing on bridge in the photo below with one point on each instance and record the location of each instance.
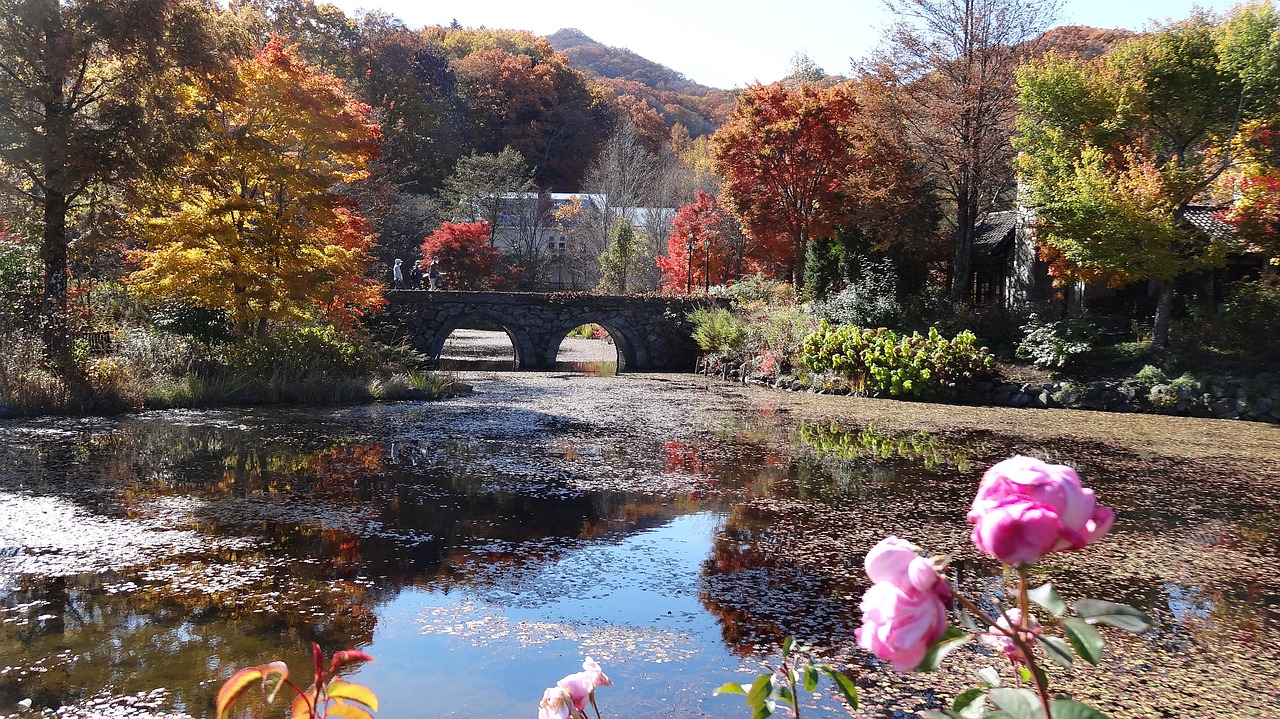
(433, 274)
(397, 276)
(415, 276)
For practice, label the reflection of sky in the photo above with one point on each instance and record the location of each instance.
(632, 605)
(1187, 603)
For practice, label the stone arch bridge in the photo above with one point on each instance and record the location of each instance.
(650, 333)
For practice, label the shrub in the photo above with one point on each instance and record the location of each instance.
(756, 288)
(1151, 375)
(869, 300)
(883, 362)
(775, 334)
(1055, 344)
(717, 331)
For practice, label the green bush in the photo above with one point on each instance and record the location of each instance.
(882, 362)
(300, 353)
(717, 331)
(1055, 344)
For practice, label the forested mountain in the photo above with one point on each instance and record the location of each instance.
(699, 108)
(621, 63)
(1081, 41)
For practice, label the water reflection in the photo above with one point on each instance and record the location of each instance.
(492, 541)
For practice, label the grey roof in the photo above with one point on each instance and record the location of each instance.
(1205, 219)
(994, 231)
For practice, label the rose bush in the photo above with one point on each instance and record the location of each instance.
(1024, 508)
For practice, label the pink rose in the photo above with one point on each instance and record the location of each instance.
(1025, 508)
(556, 704)
(581, 686)
(899, 626)
(997, 639)
(899, 563)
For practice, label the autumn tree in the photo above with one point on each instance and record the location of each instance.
(707, 246)
(248, 220)
(620, 179)
(520, 92)
(949, 69)
(88, 88)
(1250, 43)
(784, 154)
(327, 39)
(531, 238)
(480, 184)
(1117, 150)
(462, 254)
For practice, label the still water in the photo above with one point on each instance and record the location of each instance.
(479, 548)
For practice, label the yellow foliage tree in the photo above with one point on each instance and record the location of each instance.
(249, 219)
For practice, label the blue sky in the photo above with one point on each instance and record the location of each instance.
(729, 44)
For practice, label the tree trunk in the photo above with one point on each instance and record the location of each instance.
(1164, 312)
(53, 305)
(962, 263)
(800, 244)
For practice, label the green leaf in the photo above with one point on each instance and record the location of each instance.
(810, 678)
(1046, 596)
(989, 676)
(935, 714)
(1120, 616)
(760, 690)
(1086, 640)
(967, 621)
(764, 711)
(966, 698)
(784, 695)
(1019, 703)
(1059, 651)
(1067, 709)
(732, 688)
(845, 684)
(952, 639)
(787, 643)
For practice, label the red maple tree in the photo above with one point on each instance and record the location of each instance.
(462, 254)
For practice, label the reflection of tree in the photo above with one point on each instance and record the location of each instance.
(759, 595)
(871, 443)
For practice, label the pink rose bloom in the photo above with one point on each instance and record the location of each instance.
(899, 626)
(582, 685)
(899, 563)
(1025, 508)
(556, 704)
(1003, 643)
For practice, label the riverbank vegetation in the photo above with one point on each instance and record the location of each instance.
(215, 216)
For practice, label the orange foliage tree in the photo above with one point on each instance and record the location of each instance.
(248, 219)
(785, 153)
(462, 254)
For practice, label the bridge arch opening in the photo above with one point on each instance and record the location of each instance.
(591, 346)
(479, 343)
(591, 349)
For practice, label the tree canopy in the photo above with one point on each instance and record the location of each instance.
(248, 220)
(1118, 150)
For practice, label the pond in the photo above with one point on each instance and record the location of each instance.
(673, 529)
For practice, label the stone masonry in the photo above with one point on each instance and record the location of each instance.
(650, 333)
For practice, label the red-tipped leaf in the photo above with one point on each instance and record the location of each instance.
(345, 657)
(270, 675)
